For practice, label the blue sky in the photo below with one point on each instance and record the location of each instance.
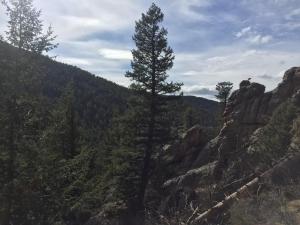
(213, 40)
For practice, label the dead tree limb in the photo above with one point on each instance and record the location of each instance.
(281, 166)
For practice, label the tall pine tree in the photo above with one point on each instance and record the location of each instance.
(25, 28)
(152, 58)
(21, 181)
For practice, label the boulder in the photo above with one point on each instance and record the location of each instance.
(245, 83)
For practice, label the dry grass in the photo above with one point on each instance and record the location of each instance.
(279, 205)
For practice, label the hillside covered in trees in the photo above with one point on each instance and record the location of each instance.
(68, 118)
(77, 149)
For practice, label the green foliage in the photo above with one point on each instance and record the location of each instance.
(63, 137)
(58, 188)
(152, 58)
(224, 90)
(25, 28)
(125, 171)
(22, 188)
(272, 141)
(66, 150)
(22, 184)
(123, 168)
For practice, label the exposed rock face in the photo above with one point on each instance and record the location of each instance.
(178, 157)
(290, 84)
(187, 187)
(248, 109)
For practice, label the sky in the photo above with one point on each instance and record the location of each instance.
(213, 40)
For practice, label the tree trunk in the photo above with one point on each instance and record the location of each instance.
(151, 127)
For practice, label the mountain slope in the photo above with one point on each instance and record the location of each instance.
(56, 145)
(97, 100)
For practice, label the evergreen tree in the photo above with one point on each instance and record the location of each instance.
(25, 28)
(152, 58)
(192, 117)
(224, 90)
(64, 133)
(21, 189)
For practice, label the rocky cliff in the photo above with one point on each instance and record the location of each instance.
(199, 171)
(205, 171)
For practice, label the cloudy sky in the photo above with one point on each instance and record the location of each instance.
(214, 40)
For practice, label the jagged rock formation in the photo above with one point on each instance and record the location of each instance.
(197, 171)
(249, 108)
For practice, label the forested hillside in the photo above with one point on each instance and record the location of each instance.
(77, 149)
(97, 100)
(66, 119)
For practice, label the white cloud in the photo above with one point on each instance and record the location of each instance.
(243, 32)
(253, 37)
(184, 9)
(72, 19)
(266, 39)
(190, 73)
(86, 55)
(74, 61)
(294, 14)
(3, 19)
(187, 21)
(260, 39)
(206, 70)
(83, 21)
(115, 53)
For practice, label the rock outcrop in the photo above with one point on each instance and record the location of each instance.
(178, 158)
(188, 187)
(249, 108)
(200, 171)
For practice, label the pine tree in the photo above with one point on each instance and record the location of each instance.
(224, 90)
(25, 28)
(63, 134)
(152, 58)
(19, 151)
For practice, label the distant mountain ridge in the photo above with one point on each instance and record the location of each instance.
(204, 103)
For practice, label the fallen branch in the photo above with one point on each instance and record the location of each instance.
(241, 192)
